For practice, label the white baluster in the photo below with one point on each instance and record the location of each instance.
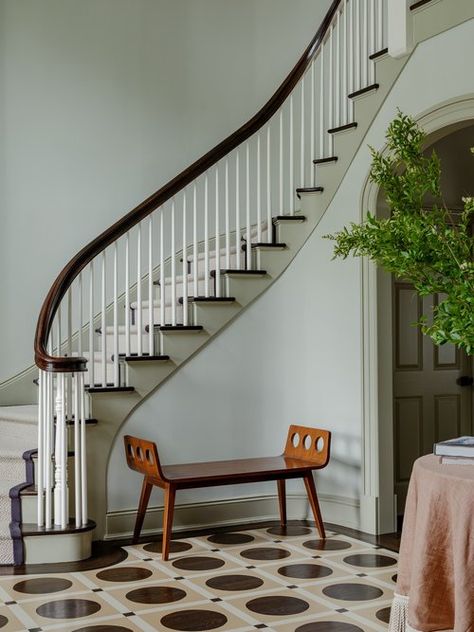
(185, 265)
(237, 211)
(357, 26)
(195, 245)
(81, 313)
(206, 236)
(173, 265)
(291, 191)
(127, 294)
(84, 512)
(338, 70)
(364, 46)
(380, 24)
(59, 331)
(345, 85)
(60, 460)
(373, 36)
(41, 456)
(331, 102)
(103, 323)
(162, 270)
(115, 316)
(351, 59)
(69, 351)
(248, 249)
(269, 181)
(227, 216)
(312, 121)
(217, 245)
(77, 452)
(280, 161)
(91, 364)
(49, 430)
(322, 94)
(259, 194)
(302, 133)
(139, 319)
(151, 307)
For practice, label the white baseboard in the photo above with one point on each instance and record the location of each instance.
(336, 509)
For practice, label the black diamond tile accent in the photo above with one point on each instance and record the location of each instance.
(341, 610)
(315, 557)
(215, 550)
(216, 599)
(260, 626)
(97, 590)
(10, 603)
(178, 577)
(361, 574)
(147, 559)
(292, 586)
(128, 614)
(34, 629)
(250, 567)
(277, 541)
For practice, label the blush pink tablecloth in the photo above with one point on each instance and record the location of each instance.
(435, 587)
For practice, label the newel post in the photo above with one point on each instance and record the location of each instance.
(400, 28)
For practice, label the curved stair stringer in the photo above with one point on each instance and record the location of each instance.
(112, 409)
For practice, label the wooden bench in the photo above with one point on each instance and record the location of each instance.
(306, 449)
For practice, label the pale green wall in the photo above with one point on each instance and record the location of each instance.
(103, 101)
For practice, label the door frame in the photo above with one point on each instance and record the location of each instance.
(378, 512)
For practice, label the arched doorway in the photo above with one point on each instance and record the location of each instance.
(402, 417)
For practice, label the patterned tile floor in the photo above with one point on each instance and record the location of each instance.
(246, 580)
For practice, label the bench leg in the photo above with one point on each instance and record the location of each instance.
(170, 494)
(313, 501)
(144, 498)
(282, 500)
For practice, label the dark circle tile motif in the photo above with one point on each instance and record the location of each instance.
(305, 571)
(352, 592)
(231, 538)
(289, 530)
(198, 563)
(265, 553)
(327, 545)
(68, 609)
(103, 628)
(3, 621)
(277, 605)
(124, 574)
(234, 582)
(194, 620)
(383, 614)
(156, 594)
(42, 585)
(175, 547)
(370, 560)
(328, 626)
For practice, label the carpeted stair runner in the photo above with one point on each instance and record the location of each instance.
(18, 433)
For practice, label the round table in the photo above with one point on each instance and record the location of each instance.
(435, 585)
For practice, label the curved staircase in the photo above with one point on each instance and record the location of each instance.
(147, 294)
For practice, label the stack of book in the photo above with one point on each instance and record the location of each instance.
(458, 451)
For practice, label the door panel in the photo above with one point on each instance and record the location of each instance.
(428, 404)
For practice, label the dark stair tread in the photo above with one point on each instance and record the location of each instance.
(145, 358)
(309, 190)
(208, 299)
(289, 218)
(262, 244)
(179, 327)
(379, 53)
(358, 93)
(419, 4)
(324, 161)
(89, 422)
(31, 528)
(342, 128)
(110, 389)
(241, 272)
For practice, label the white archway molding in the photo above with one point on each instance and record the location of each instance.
(378, 503)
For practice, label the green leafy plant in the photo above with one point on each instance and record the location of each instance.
(429, 248)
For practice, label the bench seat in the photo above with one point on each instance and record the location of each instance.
(306, 449)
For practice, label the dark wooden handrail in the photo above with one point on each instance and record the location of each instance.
(66, 277)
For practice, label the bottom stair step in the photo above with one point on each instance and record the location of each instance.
(241, 272)
(281, 219)
(146, 357)
(208, 299)
(110, 389)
